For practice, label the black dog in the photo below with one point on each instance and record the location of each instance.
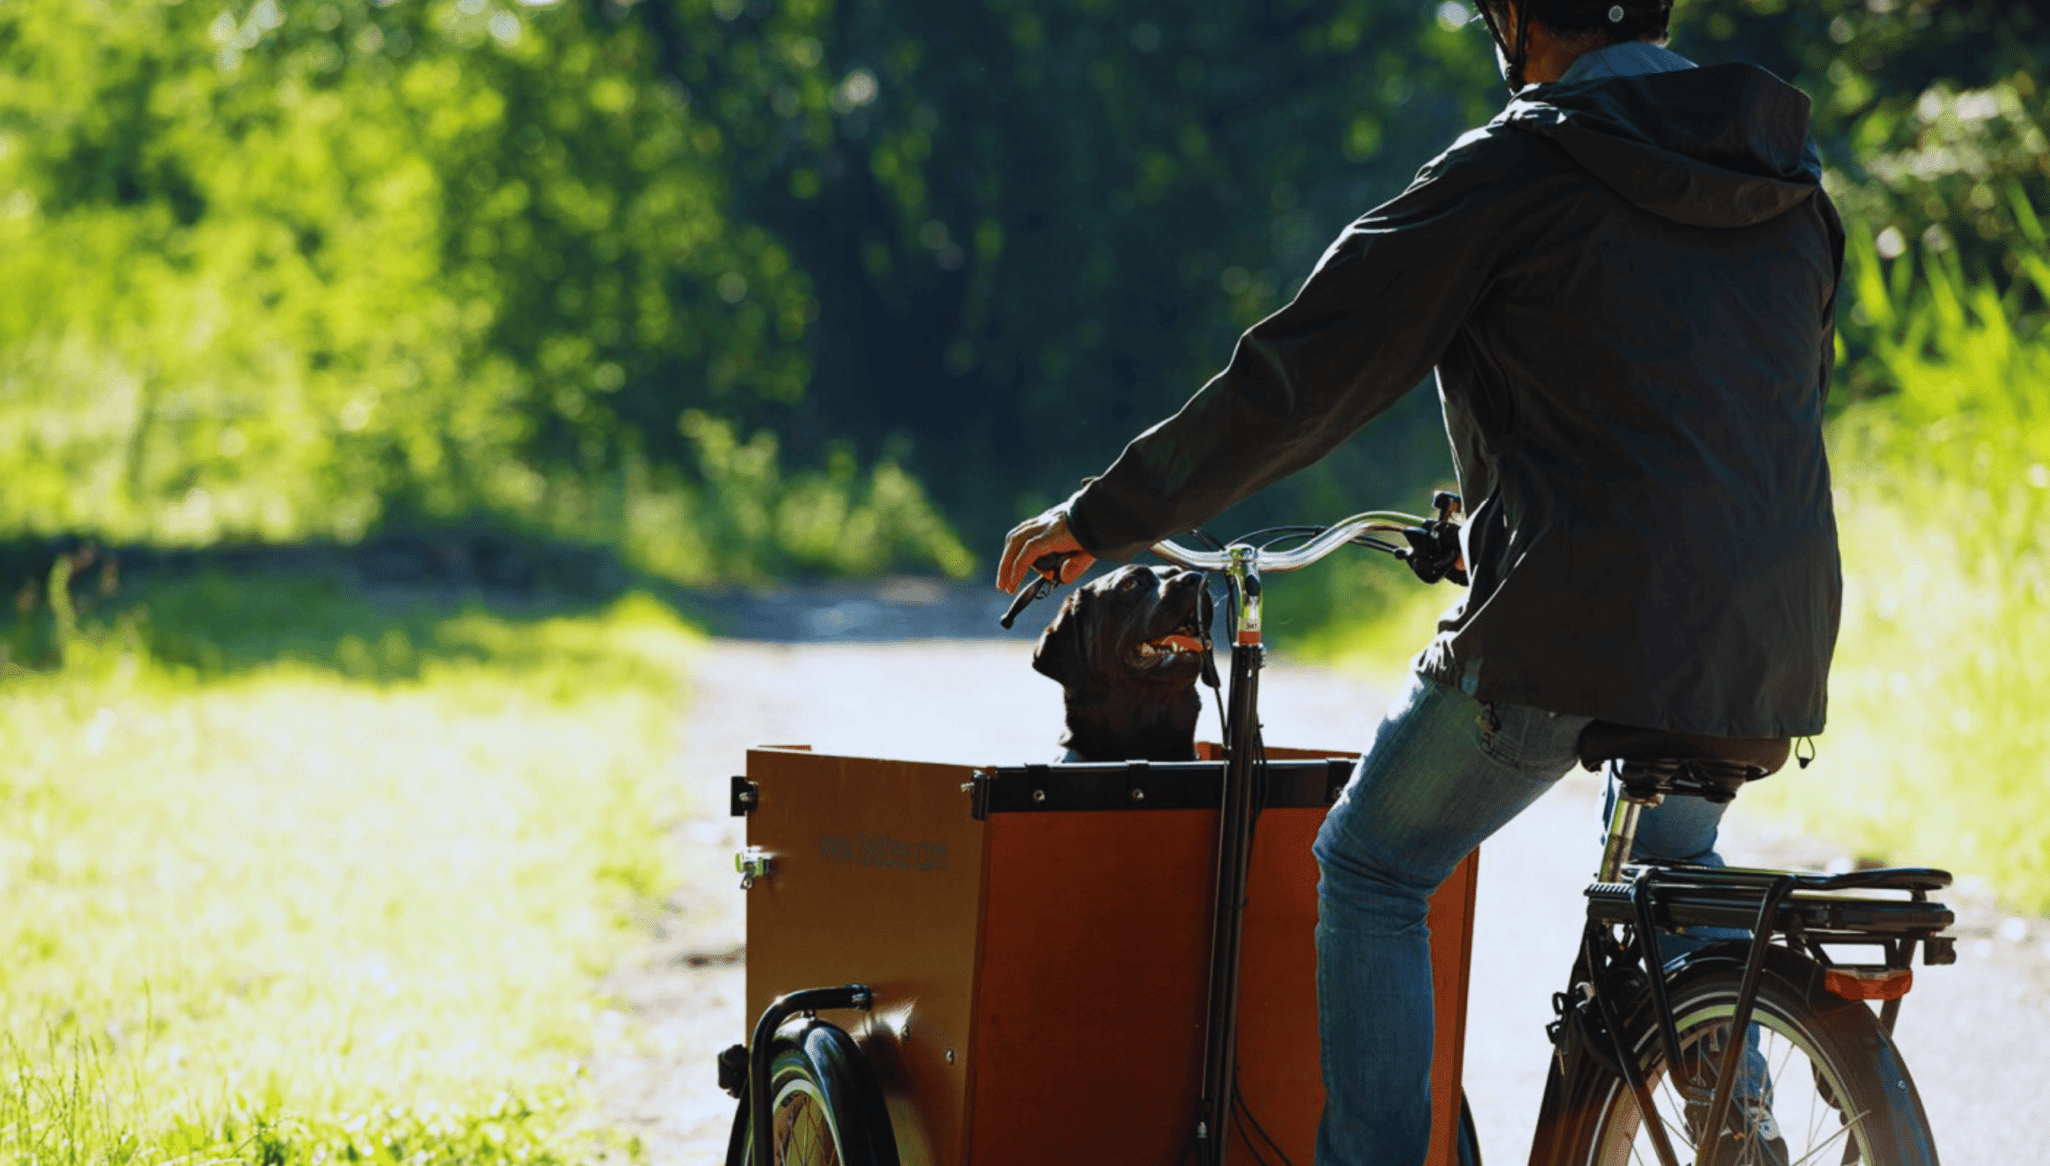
(1127, 650)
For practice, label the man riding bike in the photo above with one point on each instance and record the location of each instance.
(1625, 283)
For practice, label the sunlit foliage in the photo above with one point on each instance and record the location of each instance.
(1937, 743)
(279, 269)
(1930, 115)
(273, 271)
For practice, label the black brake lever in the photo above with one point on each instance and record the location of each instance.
(1048, 568)
(1433, 551)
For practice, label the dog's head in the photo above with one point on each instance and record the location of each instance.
(1137, 627)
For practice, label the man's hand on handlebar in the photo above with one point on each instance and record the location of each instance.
(1033, 539)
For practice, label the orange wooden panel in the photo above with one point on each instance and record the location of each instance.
(1451, 923)
(1089, 1039)
(1089, 1010)
(1279, 1073)
(876, 878)
(1060, 956)
(1282, 1084)
(1279, 1063)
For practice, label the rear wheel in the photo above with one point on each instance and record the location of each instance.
(1821, 1084)
(824, 1107)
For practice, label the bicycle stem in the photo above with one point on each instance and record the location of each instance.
(1241, 564)
(1243, 570)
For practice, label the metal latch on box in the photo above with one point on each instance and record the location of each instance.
(752, 863)
(745, 797)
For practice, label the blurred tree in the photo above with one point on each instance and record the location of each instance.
(725, 281)
(289, 270)
(1931, 116)
(1035, 227)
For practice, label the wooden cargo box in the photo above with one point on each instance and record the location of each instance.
(1038, 938)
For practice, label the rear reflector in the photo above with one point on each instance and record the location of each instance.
(1868, 983)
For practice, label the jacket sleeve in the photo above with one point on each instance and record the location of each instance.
(1373, 318)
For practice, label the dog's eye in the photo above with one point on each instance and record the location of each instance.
(1130, 583)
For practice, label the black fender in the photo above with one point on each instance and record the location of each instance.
(851, 1093)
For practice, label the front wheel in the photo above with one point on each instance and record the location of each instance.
(825, 1109)
(1821, 1083)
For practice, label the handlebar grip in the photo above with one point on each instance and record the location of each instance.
(1026, 595)
(1048, 567)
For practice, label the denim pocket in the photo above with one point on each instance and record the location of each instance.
(1530, 739)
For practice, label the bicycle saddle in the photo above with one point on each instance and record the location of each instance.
(1657, 761)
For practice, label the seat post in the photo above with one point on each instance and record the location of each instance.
(1623, 816)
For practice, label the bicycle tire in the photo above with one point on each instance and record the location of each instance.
(827, 1109)
(1834, 1080)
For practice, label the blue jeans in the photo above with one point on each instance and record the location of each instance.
(1443, 773)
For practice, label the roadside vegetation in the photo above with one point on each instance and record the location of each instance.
(292, 877)
(1939, 745)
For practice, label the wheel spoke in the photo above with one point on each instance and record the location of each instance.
(1800, 1074)
(1844, 1132)
(812, 1074)
(803, 1132)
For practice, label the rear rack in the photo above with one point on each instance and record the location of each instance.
(1700, 896)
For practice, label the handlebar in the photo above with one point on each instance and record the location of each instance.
(1432, 549)
(1320, 546)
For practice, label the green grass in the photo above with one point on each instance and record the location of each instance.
(289, 877)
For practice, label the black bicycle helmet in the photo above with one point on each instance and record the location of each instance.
(1614, 21)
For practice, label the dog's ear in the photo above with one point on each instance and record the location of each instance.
(1063, 648)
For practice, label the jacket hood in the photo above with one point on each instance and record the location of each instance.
(1719, 146)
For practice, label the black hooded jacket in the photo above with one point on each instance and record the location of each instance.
(1626, 286)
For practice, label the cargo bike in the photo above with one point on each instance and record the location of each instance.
(1045, 963)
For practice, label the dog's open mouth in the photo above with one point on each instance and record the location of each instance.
(1186, 640)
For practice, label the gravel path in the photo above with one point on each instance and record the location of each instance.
(830, 667)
